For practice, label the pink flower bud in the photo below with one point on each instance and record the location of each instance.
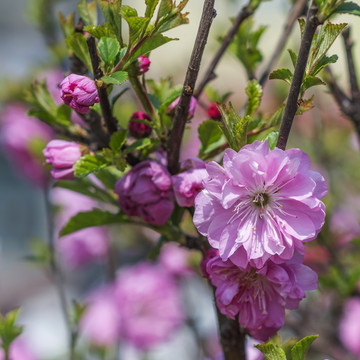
(137, 129)
(144, 64)
(192, 107)
(79, 92)
(146, 191)
(62, 155)
(214, 112)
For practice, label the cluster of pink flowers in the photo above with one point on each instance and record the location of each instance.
(142, 308)
(256, 212)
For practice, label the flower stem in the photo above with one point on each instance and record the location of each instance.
(292, 101)
(182, 109)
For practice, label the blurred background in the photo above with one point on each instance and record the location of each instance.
(31, 46)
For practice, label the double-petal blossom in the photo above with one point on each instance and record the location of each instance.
(261, 205)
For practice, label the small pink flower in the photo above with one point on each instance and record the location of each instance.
(349, 328)
(146, 191)
(144, 64)
(62, 155)
(261, 205)
(259, 297)
(213, 111)
(192, 107)
(189, 183)
(79, 92)
(137, 129)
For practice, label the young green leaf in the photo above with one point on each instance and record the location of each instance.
(88, 164)
(137, 25)
(9, 331)
(108, 49)
(103, 30)
(166, 6)
(78, 45)
(67, 24)
(88, 12)
(308, 82)
(293, 57)
(209, 134)
(348, 8)
(95, 217)
(150, 7)
(117, 140)
(138, 145)
(272, 139)
(282, 74)
(117, 78)
(254, 92)
(300, 349)
(272, 351)
(111, 10)
(305, 105)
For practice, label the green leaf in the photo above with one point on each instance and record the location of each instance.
(87, 12)
(254, 92)
(272, 352)
(103, 30)
(272, 139)
(9, 331)
(174, 21)
(173, 95)
(116, 78)
(300, 349)
(301, 22)
(209, 133)
(111, 11)
(282, 74)
(138, 145)
(165, 8)
(150, 44)
(117, 140)
(310, 81)
(348, 8)
(108, 49)
(322, 43)
(95, 217)
(323, 62)
(305, 105)
(67, 24)
(88, 164)
(293, 56)
(150, 7)
(77, 43)
(137, 25)
(40, 252)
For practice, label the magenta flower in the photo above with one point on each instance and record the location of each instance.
(192, 107)
(79, 92)
(146, 191)
(146, 306)
(23, 138)
(137, 129)
(262, 205)
(81, 247)
(214, 112)
(349, 328)
(259, 296)
(175, 259)
(144, 64)
(62, 155)
(189, 183)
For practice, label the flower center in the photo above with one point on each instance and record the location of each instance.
(261, 199)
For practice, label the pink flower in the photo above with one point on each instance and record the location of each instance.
(175, 259)
(144, 64)
(146, 306)
(262, 205)
(189, 183)
(23, 138)
(80, 247)
(259, 296)
(79, 92)
(18, 351)
(62, 155)
(146, 191)
(192, 107)
(213, 111)
(137, 129)
(349, 328)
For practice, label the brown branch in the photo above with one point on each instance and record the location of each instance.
(110, 121)
(182, 109)
(295, 12)
(209, 74)
(292, 100)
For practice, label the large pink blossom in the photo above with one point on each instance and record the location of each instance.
(259, 297)
(261, 205)
(146, 307)
(349, 329)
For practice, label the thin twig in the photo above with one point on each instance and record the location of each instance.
(209, 74)
(292, 100)
(295, 12)
(182, 109)
(110, 121)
